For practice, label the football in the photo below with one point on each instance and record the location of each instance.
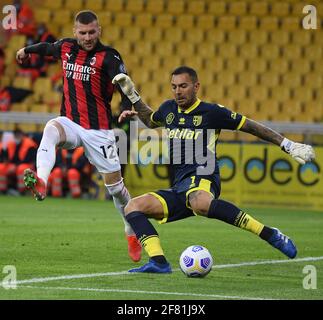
(196, 261)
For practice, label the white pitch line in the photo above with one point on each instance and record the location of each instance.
(74, 276)
(106, 274)
(255, 263)
(201, 295)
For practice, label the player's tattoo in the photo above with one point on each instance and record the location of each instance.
(144, 113)
(257, 129)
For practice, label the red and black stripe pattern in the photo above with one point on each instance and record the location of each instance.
(87, 86)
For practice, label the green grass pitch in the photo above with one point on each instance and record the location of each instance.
(76, 249)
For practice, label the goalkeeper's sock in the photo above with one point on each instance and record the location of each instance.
(147, 235)
(229, 213)
(266, 233)
(46, 153)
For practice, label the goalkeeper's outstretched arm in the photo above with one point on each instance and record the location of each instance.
(144, 114)
(302, 153)
(259, 130)
(143, 111)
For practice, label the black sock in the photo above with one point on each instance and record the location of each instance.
(229, 213)
(223, 210)
(147, 235)
(266, 233)
(141, 225)
(159, 259)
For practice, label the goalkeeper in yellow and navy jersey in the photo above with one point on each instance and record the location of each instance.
(193, 133)
(193, 127)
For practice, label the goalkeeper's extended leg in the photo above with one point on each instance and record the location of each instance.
(45, 161)
(227, 212)
(150, 241)
(146, 232)
(121, 197)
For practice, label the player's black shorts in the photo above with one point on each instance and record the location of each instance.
(175, 200)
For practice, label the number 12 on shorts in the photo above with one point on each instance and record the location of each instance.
(109, 152)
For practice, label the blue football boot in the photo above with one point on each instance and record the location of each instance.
(281, 242)
(153, 267)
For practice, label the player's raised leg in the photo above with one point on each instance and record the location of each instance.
(46, 156)
(137, 212)
(229, 213)
(204, 204)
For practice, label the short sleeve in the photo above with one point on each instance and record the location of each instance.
(158, 117)
(224, 118)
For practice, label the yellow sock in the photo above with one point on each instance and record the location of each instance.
(246, 222)
(152, 246)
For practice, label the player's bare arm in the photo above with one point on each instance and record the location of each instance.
(143, 111)
(302, 153)
(257, 129)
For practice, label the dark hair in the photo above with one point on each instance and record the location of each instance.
(86, 17)
(184, 69)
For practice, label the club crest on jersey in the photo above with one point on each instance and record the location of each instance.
(170, 117)
(197, 120)
(234, 115)
(93, 61)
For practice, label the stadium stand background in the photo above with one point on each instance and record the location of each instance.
(252, 56)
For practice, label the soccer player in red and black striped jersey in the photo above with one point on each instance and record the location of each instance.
(85, 120)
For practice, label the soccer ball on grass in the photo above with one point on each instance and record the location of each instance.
(196, 261)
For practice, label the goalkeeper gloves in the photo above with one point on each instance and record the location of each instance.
(302, 153)
(127, 87)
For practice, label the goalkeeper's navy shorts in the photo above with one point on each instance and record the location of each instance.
(175, 200)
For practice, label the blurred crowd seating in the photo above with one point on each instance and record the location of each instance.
(252, 56)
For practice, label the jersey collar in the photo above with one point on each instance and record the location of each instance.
(99, 46)
(191, 108)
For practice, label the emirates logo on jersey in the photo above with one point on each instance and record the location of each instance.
(78, 72)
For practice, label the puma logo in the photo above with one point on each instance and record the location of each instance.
(68, 55)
